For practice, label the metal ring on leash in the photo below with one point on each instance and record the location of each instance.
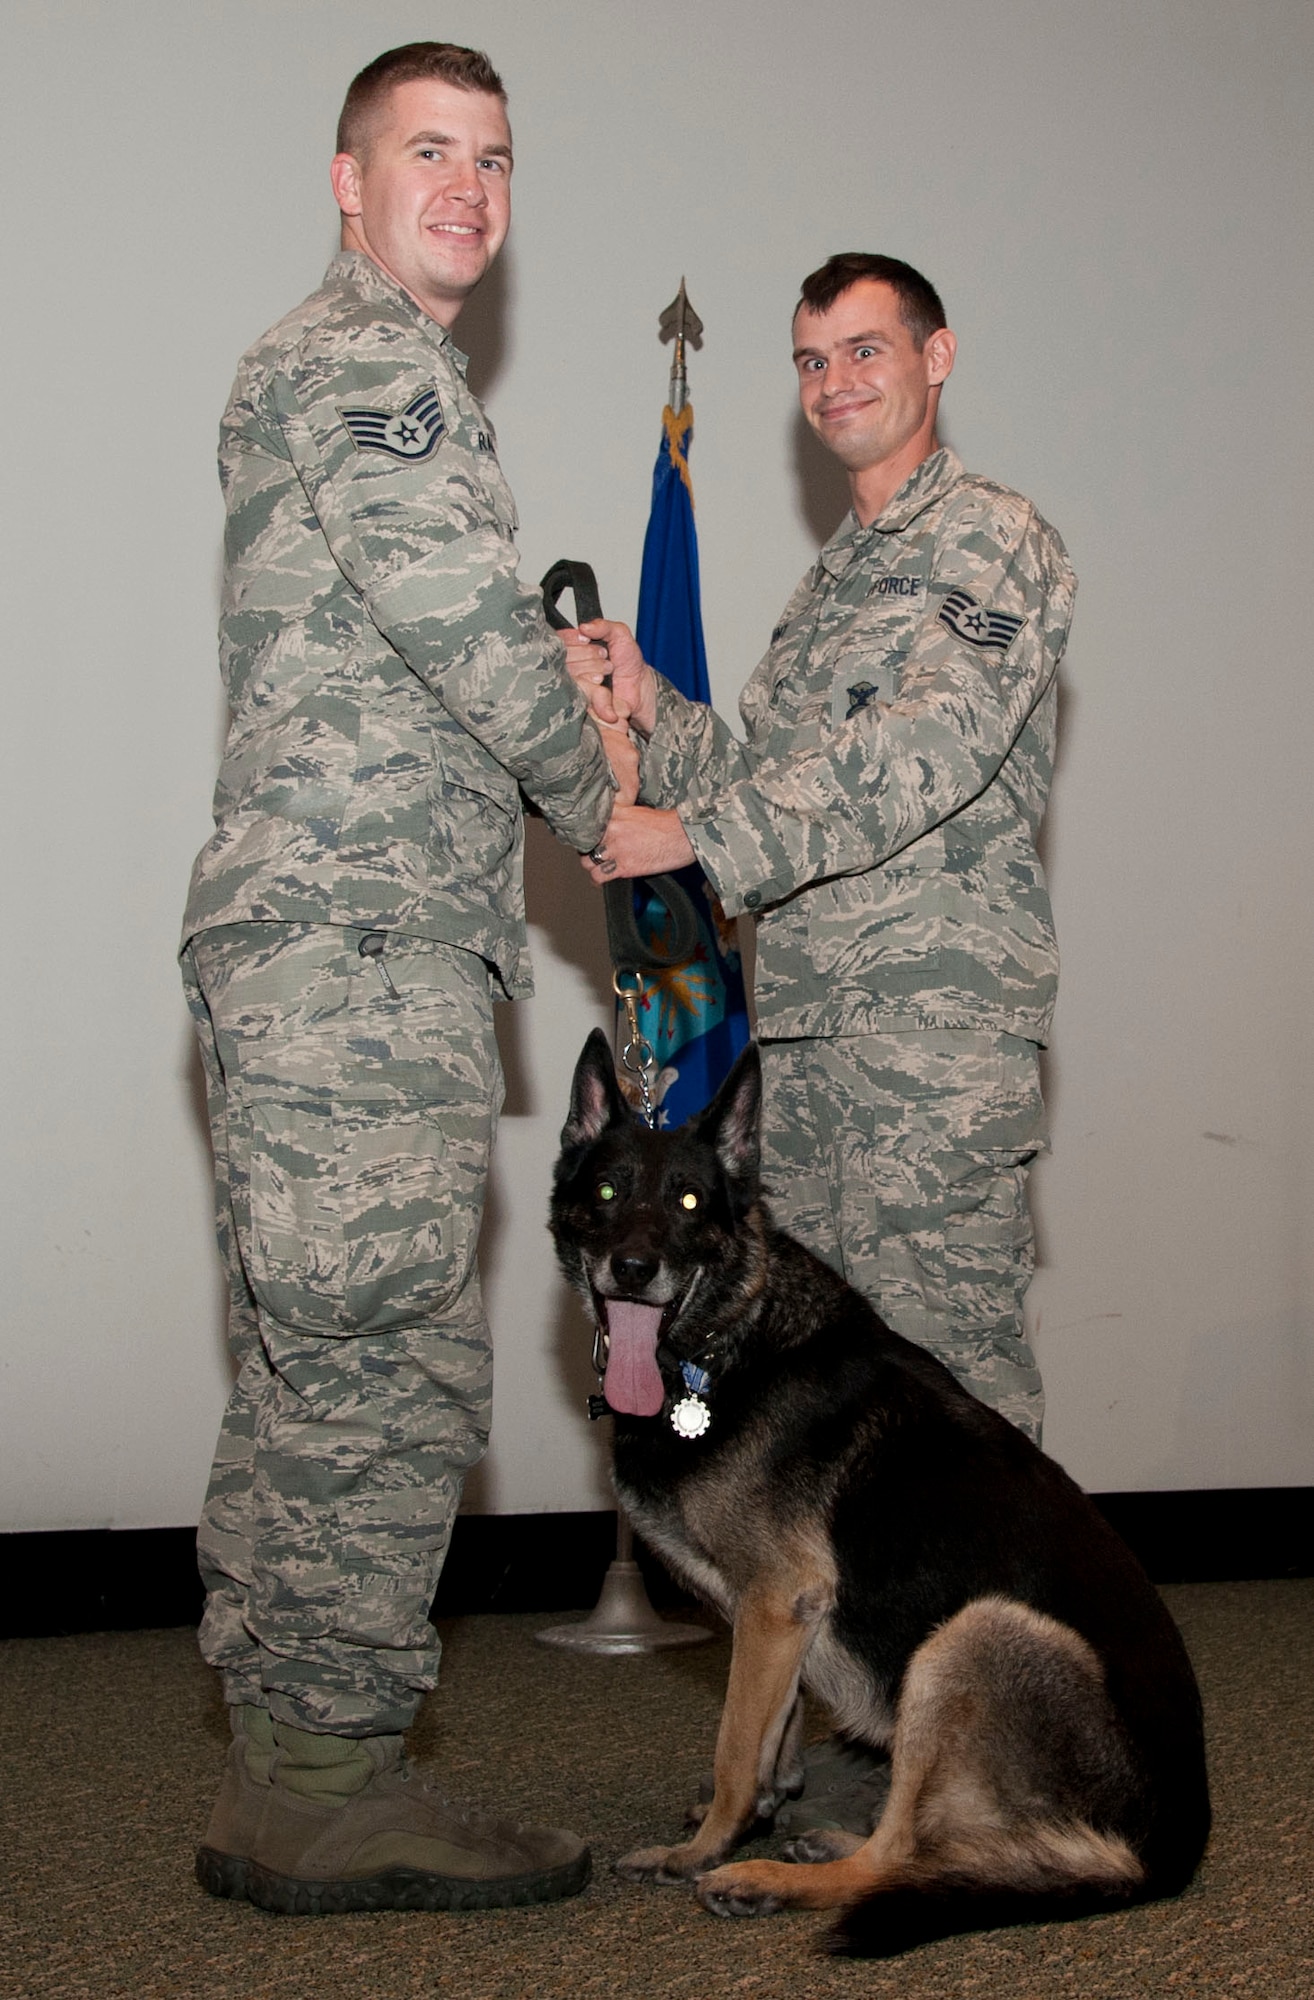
(636, 1055)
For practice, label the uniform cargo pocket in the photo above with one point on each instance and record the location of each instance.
(363, 1214)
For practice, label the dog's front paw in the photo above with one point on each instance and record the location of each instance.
(743, 1889)
(696, 1813)
(822, 1843)
(658, 1864)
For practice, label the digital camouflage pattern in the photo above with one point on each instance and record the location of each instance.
(390, 682)
(901, 1160)
(390, 687)
(881, 820)
(352, 1127)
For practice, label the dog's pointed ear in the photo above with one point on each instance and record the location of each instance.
(595, 1098)
(732, 1121)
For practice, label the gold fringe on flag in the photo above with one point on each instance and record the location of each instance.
(677, 430)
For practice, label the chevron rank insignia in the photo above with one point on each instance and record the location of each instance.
(992, 630)
(412, 434)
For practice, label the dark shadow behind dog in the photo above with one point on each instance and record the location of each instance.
(876, 1536)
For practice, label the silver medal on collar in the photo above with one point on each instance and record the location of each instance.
(690, 1417)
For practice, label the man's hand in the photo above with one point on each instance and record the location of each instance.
(606, 647)
(639, 841)
(623, 756)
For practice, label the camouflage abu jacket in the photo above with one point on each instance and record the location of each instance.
(881, 820)
(390, 683)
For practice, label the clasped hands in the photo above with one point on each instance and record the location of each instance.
(640, 840)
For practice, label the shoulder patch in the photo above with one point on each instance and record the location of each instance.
(410, 434)
(992, 630)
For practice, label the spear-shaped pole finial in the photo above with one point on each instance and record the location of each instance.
(680, 323)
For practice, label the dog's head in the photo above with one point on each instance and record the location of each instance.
(651, 1225)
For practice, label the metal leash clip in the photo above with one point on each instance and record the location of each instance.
(636, 1055)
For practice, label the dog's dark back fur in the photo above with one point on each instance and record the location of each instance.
(930, 1500)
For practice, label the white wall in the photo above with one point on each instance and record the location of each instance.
(1114, 200)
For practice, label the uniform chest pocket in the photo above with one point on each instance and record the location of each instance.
(799, 719)
(882, 624)
(861, 679)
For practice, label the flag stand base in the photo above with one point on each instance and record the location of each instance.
(623, 1620)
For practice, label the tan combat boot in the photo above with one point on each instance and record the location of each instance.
(221, 1859)
(348, 1824)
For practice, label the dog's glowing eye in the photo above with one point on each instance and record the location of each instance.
(606, 1192)
(688, 1199)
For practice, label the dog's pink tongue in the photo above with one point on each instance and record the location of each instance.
(633, 1381)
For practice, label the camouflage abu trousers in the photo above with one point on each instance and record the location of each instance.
(901, 1160)
(352, 1128)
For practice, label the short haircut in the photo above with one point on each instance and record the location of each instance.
(920, 307)
(468, 69)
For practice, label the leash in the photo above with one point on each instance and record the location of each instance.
(632, 954)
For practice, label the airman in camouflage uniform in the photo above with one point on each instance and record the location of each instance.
(880, 823)
(359, 907)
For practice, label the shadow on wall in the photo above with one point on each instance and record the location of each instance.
(569, 1369)
(566, 911)
(191, 1076)
(571, 1337)
(563, 904)
(1051, 1057)
(480, 332)
(822, 483)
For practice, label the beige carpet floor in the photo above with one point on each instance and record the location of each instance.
(110, 1748)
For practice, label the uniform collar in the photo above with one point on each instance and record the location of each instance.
(930, 482)
(363, 275)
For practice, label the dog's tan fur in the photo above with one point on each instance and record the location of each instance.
(948, 1812)
(777, 1613)
(881, 1539)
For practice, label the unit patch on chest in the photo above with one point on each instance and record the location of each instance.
(992, 630)
(410, 434)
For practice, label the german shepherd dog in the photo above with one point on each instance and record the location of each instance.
(877, 1536)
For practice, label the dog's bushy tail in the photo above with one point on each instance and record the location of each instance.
(896, 1920)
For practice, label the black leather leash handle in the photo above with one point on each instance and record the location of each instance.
(575, 576)
(630, 950)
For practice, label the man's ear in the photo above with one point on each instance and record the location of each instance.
(939, 351)
(345, 176)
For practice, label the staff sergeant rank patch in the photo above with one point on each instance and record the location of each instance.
(992, 630)
(413, 434)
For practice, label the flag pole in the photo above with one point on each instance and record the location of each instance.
(680, 323)
(623, 1619)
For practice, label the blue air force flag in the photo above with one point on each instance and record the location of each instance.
(694, 1014)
